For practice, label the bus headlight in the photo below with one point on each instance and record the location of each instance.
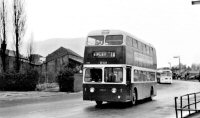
(92, 89)
(114, 90)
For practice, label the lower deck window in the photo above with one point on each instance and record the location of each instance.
(142, 76)
(113, 74)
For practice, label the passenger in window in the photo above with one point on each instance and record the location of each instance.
(96, 76)
(112, 78)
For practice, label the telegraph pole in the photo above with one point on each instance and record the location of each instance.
(169, 65)
(179, 63)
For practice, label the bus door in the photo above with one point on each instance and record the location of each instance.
(128, 80)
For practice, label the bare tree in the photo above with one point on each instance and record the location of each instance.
(3, 32)
(19, 20)
(195, 67)
(30, 49)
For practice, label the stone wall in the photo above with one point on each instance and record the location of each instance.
(78, 82)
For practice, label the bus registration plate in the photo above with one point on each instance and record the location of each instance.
(102, 90)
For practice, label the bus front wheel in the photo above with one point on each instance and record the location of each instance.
(99, 103)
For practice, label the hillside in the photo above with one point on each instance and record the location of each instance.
(48, 46)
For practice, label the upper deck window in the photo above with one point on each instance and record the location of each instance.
(114, 40)
(95, 40)
(135, 43)
(129, 41)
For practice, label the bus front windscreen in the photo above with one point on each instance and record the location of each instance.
(93, 75)
(166, 73)
(114, 40)
(113, 74)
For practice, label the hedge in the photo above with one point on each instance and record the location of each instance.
(65, 79)
(12, 81)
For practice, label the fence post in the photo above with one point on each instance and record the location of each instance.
(176, 106)
(195, 102)
(188, 103)
(181, 107)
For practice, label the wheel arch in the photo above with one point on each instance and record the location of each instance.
(152, 91)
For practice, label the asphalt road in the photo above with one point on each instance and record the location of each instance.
(72, 105)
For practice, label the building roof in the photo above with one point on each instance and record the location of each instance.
(11, 53)
(36, 55)
(62, 52)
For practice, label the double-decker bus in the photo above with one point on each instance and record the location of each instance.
(164, 76)
(118, 68)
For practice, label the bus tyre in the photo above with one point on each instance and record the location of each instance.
(134, 99)
(99, 103)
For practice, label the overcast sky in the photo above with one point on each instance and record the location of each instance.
(172, 26)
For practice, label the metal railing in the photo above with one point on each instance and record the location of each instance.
(187, 104)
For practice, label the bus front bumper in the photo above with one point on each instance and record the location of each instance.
(108, 93)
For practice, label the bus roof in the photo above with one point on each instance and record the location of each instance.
(164, 70)
(113, 32)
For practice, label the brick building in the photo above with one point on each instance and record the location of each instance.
(56, 61)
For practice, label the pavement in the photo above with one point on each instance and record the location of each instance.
(195, 115)
(13, 98)
(7, 95)
(16, 95)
